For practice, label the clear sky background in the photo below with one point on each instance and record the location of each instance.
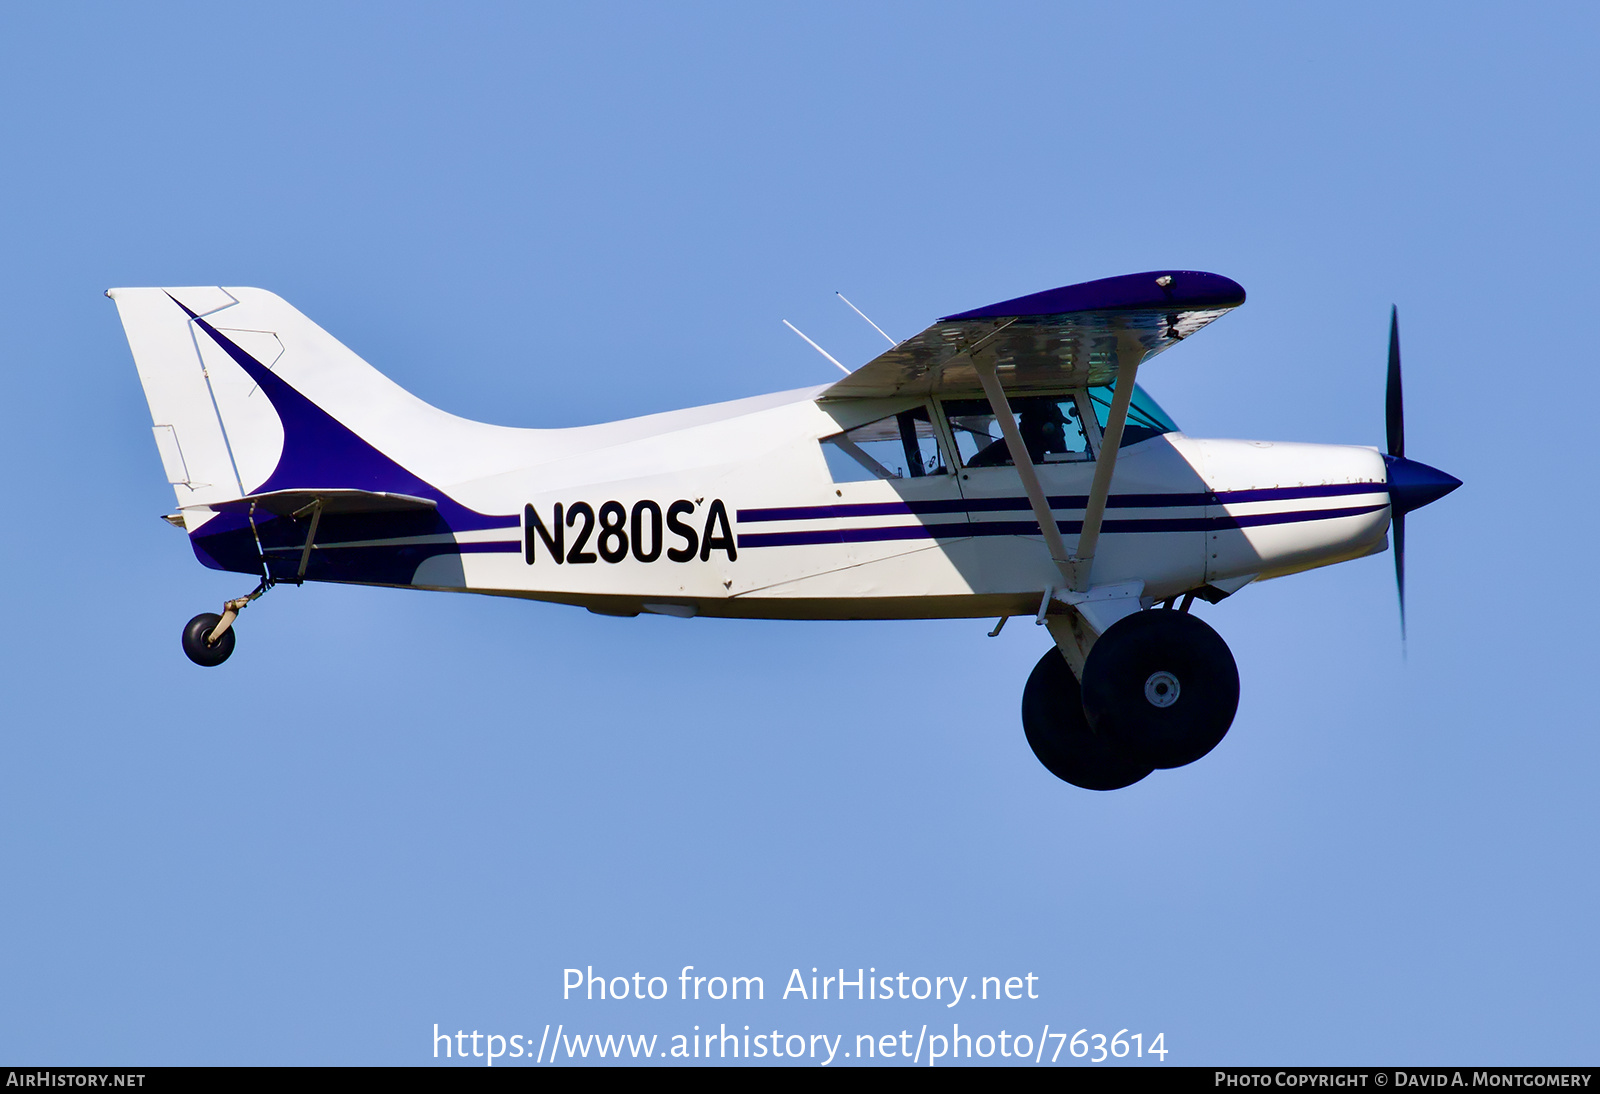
(394, 809)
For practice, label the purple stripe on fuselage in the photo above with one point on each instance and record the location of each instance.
(1058, 501)
(1031, 528)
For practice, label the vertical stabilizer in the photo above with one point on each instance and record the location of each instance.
(248, 398)
(188, 433)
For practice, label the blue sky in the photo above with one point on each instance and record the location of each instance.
(392, 809)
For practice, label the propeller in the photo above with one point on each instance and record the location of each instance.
(1394, 403)
(1394, 414)
(1411, 484)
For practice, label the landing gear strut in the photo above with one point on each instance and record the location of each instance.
(208, 638)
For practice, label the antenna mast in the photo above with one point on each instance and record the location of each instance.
(816, 347)
(863, 315)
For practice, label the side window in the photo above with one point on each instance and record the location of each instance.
(901, 446)
(1050, 426)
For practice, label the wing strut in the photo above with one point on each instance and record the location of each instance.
(1075, 568)
(1130, 352)
(1023, 462)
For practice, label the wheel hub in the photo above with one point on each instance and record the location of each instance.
(1161, 689)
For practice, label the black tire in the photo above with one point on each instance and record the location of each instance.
(198, 649)
(1162, 685)
(1058, 733)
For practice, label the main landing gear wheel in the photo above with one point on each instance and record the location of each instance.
(196, 646)
(1161, 685)
(1058, 733)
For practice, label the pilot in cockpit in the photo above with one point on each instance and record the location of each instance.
(1043, 428)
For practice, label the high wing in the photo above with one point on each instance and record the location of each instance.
(1066, 337)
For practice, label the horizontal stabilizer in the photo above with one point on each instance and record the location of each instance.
(289, 503)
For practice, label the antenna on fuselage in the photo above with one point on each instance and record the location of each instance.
(863, 315)
(816, 347)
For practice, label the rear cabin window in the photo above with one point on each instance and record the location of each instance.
(901, 446)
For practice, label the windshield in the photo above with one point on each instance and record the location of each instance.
(1146, 419)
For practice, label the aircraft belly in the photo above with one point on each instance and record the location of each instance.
(923, 571)
(511, 573)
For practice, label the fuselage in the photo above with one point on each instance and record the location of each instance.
(733, 510)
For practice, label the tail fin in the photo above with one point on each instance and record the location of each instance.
(246, 394)
(251, 400)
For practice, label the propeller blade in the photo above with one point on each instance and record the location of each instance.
(1398, 525)
(1394, 400)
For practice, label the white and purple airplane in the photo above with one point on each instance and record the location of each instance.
(1001, 463)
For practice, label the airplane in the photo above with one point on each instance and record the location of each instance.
(1002, 463)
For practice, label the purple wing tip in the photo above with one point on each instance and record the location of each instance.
(1184, 290)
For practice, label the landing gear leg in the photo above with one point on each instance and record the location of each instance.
(208, 638)
(1059, 734)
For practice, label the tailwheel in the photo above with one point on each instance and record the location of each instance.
(1059, 734)
(198, 644)
(208, 638)
(1162, 685)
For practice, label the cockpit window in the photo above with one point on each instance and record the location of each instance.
(1051, 428)
(900, 446)
(1145, 418)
